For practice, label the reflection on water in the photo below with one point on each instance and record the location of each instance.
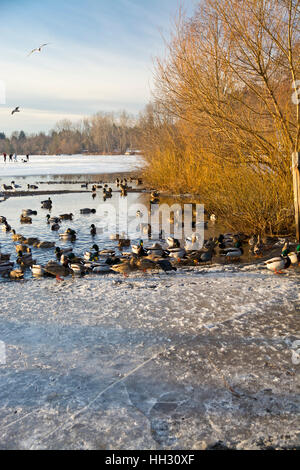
(104, 218)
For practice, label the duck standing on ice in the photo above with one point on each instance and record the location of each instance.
(277, 264)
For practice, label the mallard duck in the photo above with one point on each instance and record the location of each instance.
(52, 220)
(192, 244)
(6, 267)
(93, 230)
(37, 270)
(16, 274)
(252, 242)
(286, 247)
(62, 251)
(294, 257)
(155, 250)
(165, 265)
(66, 216)
(233, 253)
(15, 186)
(86, 210)
(46, 204)
(145, 263)
(73, 258)
(32, 186)
(277, 264)
(269, 242)
(25, 220)
(154, 195)
(207, 256)
(139, 249)
(225, 241)
(77, 268)
(25, 261)
(6, 187)
(22, 248)
(236, 245)
(176, 253)
(17, 237)
(101, 269)
(55, 227)
(123, 242)
(92, 255)
(6, 227)
(258, 247)
(173, 242)
(58, 270)
(107, 252)
(2, 219)
(125, 268)
(45, 245)
(27, 212)
(32, 241)
(114, 236)
(69, 234)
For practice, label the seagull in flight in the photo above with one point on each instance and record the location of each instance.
(16, 110)
(38, 49)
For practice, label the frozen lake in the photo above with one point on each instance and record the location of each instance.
(192, 360)
(70, 165)
(197, 359)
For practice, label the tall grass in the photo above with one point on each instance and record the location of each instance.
(245, 197)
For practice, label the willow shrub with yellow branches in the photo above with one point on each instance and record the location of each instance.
(223, 123)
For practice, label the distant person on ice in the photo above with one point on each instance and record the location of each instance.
(10, 157)
(4, 157)
(27, 156)
(15, 157)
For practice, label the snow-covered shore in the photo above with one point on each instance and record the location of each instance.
(46, 165)
(192, 360)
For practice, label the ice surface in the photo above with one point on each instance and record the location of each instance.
(196, 359)
(70, 164)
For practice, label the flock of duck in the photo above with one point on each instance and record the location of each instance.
(164, 255)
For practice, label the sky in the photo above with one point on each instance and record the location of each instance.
(99, 57)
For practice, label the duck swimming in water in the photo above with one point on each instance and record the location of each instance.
(46, 204)
(66, 216)
(69, 234)
(59, 251)
(25, 220)
(17, 237)
(6, 227)
(52, 220)
(45, 245)
(86, 210)
(93, 230)
(16, 274)
(92, 255)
